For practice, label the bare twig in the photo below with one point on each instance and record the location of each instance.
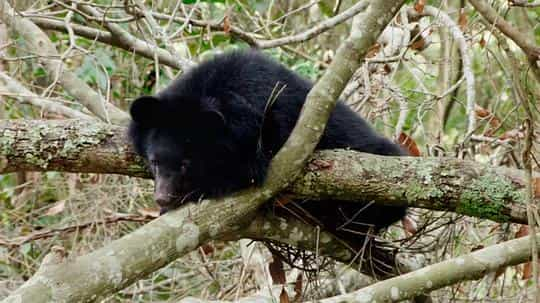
(139, 46)
(296, 38)
(526, 43)
(44, 234)
(37, 39)
(317, 29)
(465, 57)
(524, 3)
(20, 92)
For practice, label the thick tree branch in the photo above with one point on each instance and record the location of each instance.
(463, 268)
(65, 145)
(466, 187)
(322, 99)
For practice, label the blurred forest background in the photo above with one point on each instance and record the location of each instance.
(443, 80)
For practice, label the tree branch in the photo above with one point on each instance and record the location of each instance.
(318, 29)
(468, 73)
(130, 42)
(122, 39)
(526, 44)
(466, 187)
(524, 3)
(296, 38)
(467, 267)
(463, 268)
(20, 92)
(36, 39)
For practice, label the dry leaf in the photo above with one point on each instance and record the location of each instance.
(276, 270)
(56, 209)
(536, 185)
(419, 44)
(526, 272)
(408, 143)
(523, 231)
(485, 114)
(462, 20)
(207, 248)
(373, 50)
(409, 225)
(282, 200)
(419, 6)
(226, 24)
(283, 296)
(482, 42)
(500, 271)
(298, 288)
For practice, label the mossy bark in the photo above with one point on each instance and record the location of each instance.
(67, 145)
(466, 187)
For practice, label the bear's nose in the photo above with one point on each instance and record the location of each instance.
(163, 210)
(162, 199)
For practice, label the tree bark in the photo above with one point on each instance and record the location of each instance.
(465, 187)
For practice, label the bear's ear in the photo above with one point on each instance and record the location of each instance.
(211, 114)
(146, 110)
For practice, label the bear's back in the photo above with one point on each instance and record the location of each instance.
(249, 74)
(277, 93)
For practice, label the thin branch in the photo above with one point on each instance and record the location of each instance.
(156, 28)
(463, 268)
(252, 40)
(317, 29)
(130, 42)
(247, 37)
(466, 59)
(526, 43)
(20, 92)
(126, 41)
(524, 3)
(48, 233)
(80, 30)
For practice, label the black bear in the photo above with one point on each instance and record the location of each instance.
(215, 129)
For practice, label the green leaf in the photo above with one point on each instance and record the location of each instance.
(39, 72)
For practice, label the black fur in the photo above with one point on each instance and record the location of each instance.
(215, 129)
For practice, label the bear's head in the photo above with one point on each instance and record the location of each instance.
(195, 147)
